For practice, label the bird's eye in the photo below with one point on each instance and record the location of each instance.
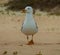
(28, 8)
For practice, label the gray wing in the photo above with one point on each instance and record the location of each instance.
(22, 26)
(36, 25)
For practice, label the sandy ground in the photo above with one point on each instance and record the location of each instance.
(47, 40)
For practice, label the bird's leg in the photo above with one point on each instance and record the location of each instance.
(31, 41)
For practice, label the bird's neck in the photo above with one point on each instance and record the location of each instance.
(29, 16)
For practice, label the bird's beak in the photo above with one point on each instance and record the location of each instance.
(23, 11)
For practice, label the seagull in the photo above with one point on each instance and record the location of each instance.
(29, 26)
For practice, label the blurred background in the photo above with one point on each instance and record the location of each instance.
(52, 6)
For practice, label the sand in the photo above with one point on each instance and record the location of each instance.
(12, 40)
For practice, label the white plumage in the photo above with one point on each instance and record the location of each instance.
(29, 26)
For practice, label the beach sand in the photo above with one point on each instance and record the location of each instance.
(12, 40)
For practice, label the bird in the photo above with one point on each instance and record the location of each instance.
(29, 26)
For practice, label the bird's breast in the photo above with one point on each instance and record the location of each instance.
(29, 28)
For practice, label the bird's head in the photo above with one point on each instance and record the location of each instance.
(29, 9)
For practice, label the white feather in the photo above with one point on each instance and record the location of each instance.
(29, 26)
